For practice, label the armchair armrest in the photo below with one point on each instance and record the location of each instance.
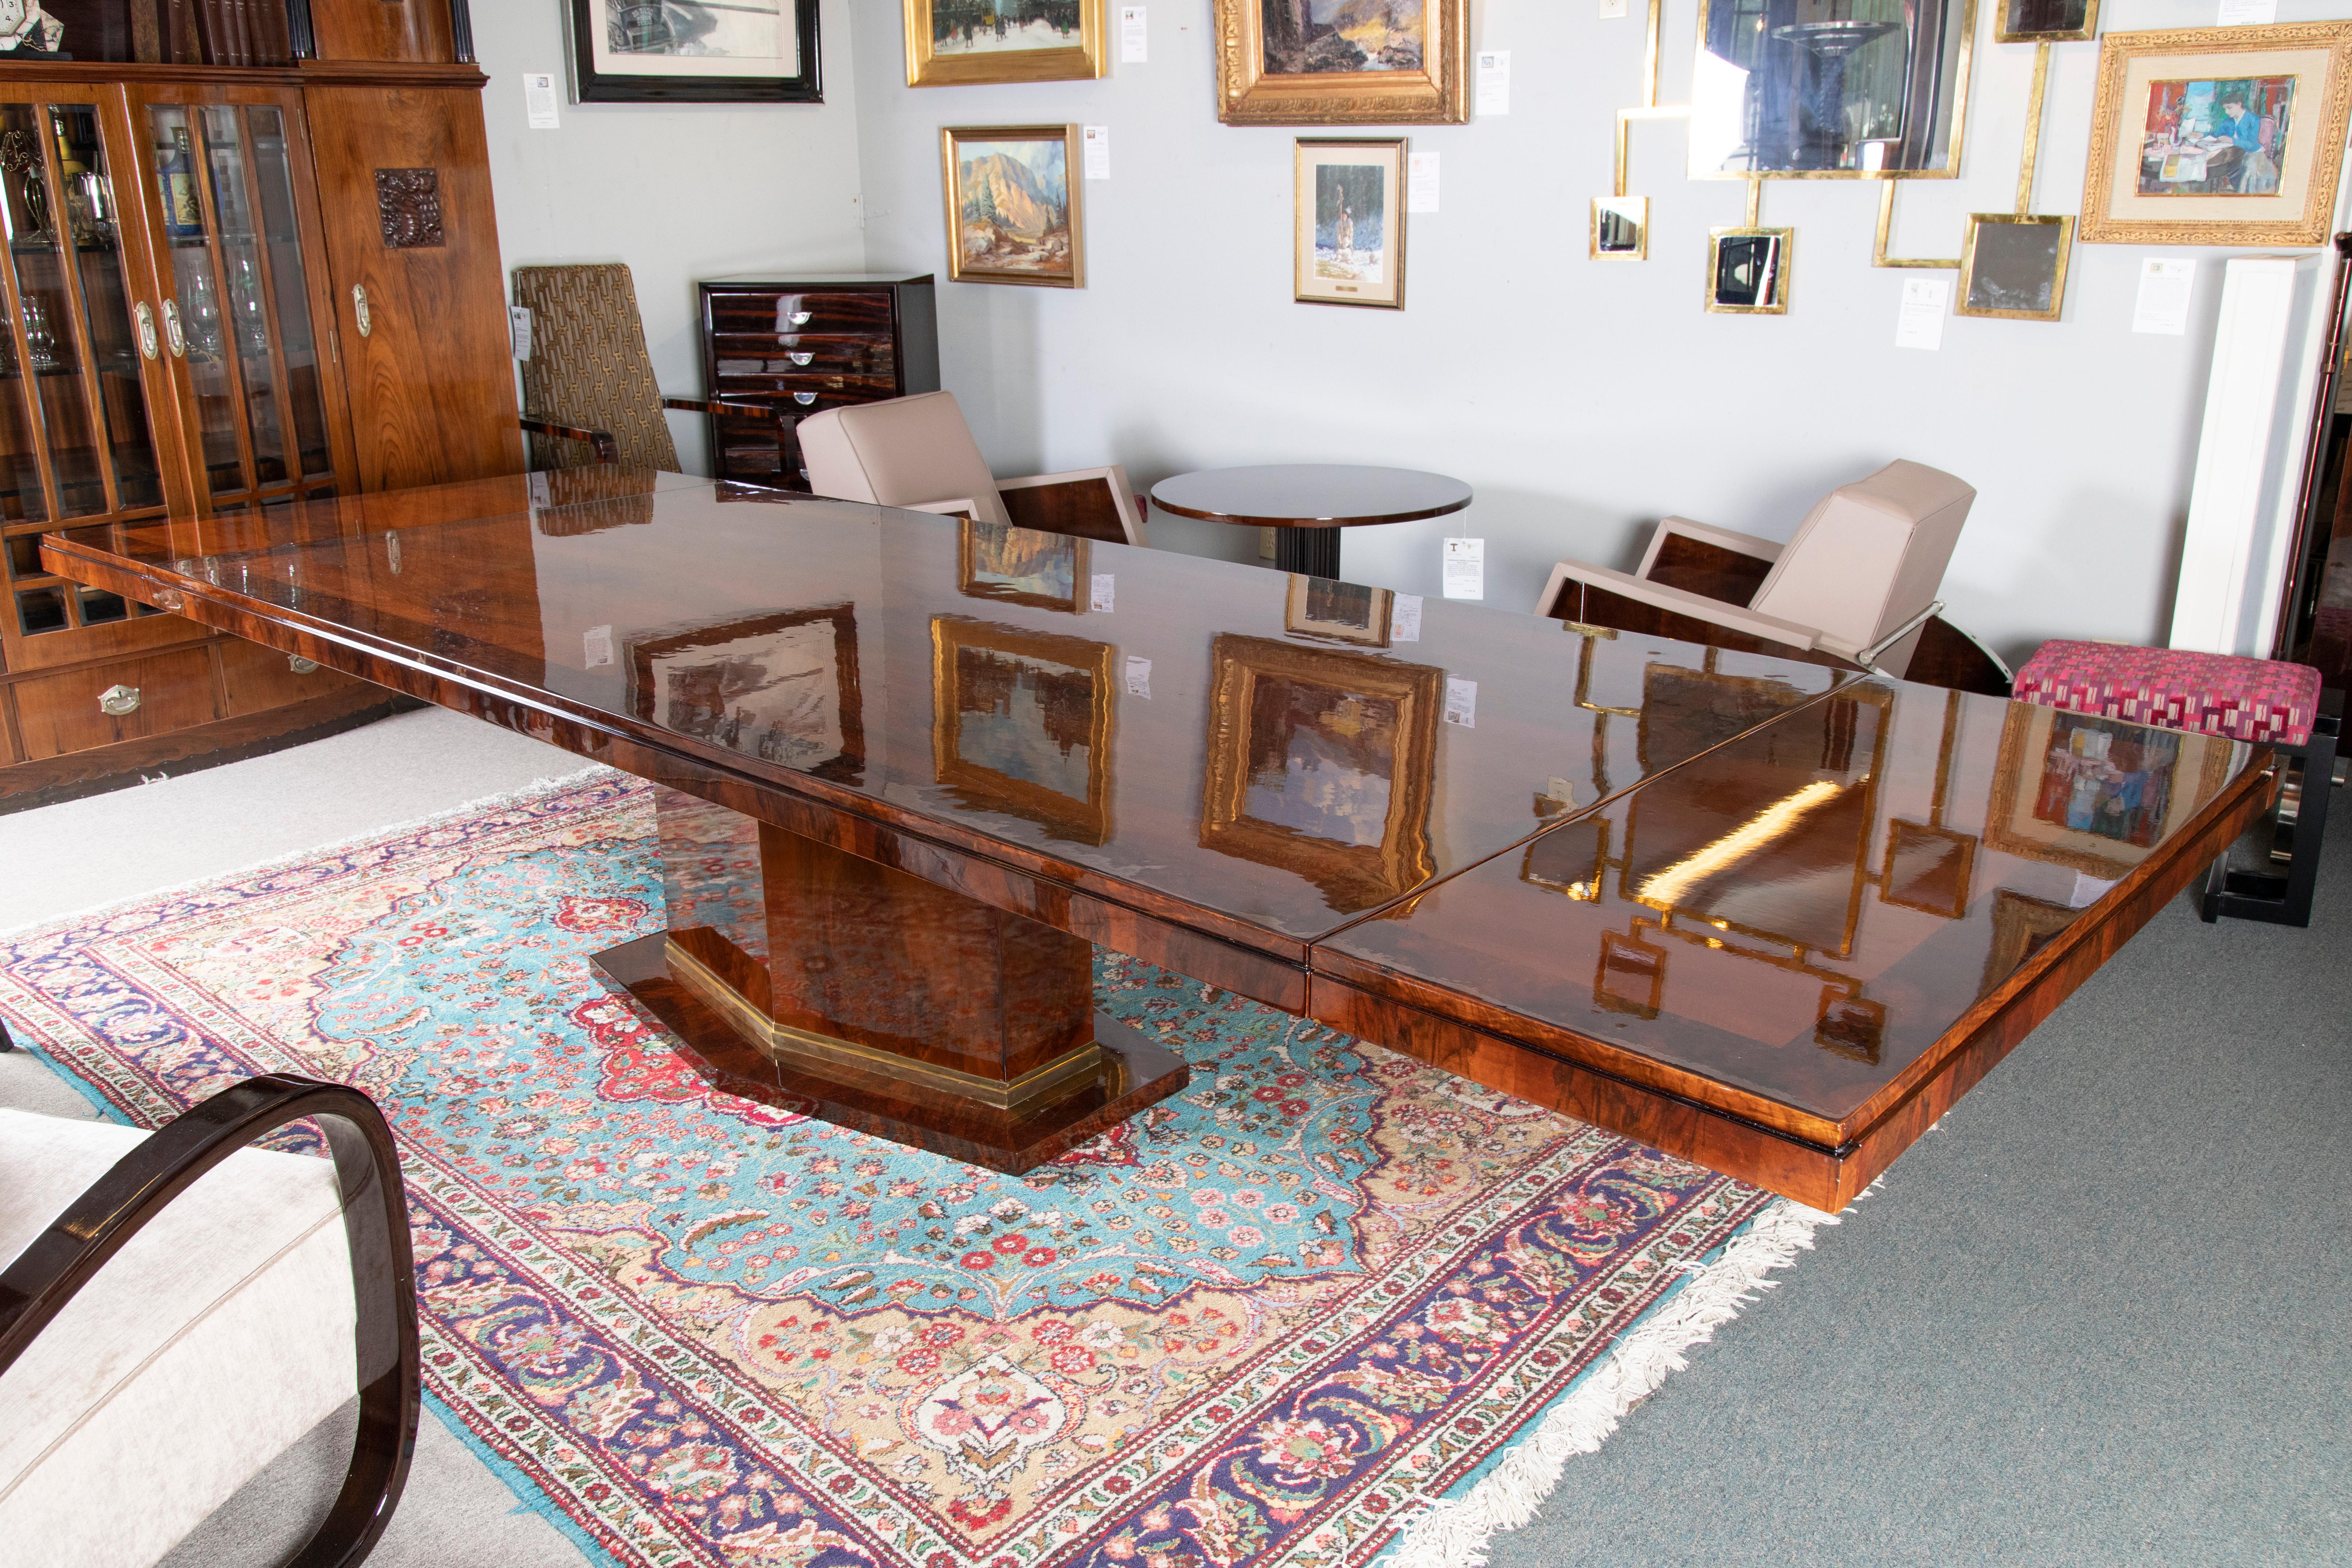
(720, 405)
(1657, 596)
(1739, 543)
(962, 507)
(1092, 503)
(608, 450)
(65, 1257)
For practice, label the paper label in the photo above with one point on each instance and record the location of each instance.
(1466, 568)
(596, 645)
(519, 326)
(1404, 618)
(1421, 182)
(1139, 677)
(1097, 143)
(1494, 81)
(1920, 323)
(540, 494)
(1461, 701)
(1134, 38)
(2165, 285)
(1100, 600)
(1612, 10)
(2248, 13)
(539, 100)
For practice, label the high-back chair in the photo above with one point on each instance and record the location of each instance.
(917, 452)
(588, 389)
(1855, 584)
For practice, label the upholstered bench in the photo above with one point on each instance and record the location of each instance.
(2266, 701)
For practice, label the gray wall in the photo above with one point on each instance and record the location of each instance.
(1582, 398)
(677, 192)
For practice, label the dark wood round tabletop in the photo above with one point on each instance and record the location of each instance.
(1310, 495)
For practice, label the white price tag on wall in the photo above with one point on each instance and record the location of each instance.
(1421, 182)
(1134, 38)
(539, 100)
(1921, 324)
(1098, 152)
(1494, 81)
(2166, 284)
(1466, 568)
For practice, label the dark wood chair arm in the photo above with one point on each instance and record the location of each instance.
(717, 405)
(95, 1226)
(608, 450)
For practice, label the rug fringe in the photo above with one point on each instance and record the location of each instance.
(536, 789)
(1454, 1533)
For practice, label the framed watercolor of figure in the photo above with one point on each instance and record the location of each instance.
(1350, 221)
(2218, 135)
(1012, 205)
(955, 43)
(1343, 62)
(693, 51)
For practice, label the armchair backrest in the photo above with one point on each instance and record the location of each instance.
(588, 366)
(1869, 557)
(907, 451)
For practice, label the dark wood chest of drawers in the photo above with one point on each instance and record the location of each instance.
(803, 345)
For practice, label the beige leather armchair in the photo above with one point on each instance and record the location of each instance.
(1857, 583)
(917, 453)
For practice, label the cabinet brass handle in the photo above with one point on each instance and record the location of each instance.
(172, 333)
(360, 308)
(804, 398)
(795, 357)
(300, 666)
(146, 329)
(118, 701)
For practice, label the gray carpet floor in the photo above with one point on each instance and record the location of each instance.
(2103, 1315)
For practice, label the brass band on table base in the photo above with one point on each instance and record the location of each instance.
(818, 1053)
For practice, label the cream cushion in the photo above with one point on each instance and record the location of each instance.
(906, 451)
(218, 1335)
(1869, 557)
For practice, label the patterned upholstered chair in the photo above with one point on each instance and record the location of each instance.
(178, 1308)
(2266, 701)
(588, 388)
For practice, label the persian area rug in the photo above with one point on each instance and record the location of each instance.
(1327, 1307)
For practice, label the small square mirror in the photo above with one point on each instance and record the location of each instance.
(1747, 270)
(1621, 227)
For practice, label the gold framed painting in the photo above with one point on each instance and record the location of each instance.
(2096, 795)
(1331, 611)
(1021, 723)
(1014, 204)
(1348, 221)
(958, 43)
(2013, 265)
(1021, 566)
(2218, 135)
(1621, 228)
(2044, 21)
(1322, 761)
(1343, 62)
(1747, 270)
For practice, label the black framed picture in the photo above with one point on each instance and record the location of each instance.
(694, 51)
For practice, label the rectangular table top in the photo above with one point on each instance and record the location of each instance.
(1765, 886)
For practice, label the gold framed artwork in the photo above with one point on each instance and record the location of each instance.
(2044, 21)
(1747, 270)
(1021, 723)
(1331, 611)
(1348, 221)
(2218, 135)
(1343, 62)
(1014, 204)
(2013, 265)
(1621, 227)
(1322, 761)
(2096, 795)
(958, 43)
(1021, 566)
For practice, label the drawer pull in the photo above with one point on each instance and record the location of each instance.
(804, 398)
(146, 329)
(796, 357)
(300, 666)
(800, 318)
(117, 701)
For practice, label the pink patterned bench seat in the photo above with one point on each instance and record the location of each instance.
(2258, 700)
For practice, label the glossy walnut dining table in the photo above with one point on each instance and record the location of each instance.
(910, 771)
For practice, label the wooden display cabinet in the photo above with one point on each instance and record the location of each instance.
(230, 286)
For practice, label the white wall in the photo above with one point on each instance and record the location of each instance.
(1580, 398)
(677, 192)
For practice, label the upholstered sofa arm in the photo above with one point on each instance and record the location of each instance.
(63, 1258)
(1731, 617)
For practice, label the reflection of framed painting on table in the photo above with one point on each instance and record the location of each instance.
(693, 51)
(1631, 977)
(1342, 62)
(781, 687)
(953, 43)
(2022, 927)
(1020, 566)
(1927, 868)
(1021, 723)
(1569, 860)
(2218, 135)
(2073, 789)
(1332, 611)
(1322, 761)
(1350, 221)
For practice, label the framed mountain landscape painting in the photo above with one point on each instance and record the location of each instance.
(1013, 206)
(1342, 62)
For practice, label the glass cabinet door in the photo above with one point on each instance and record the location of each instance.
(75, 442)
(239, 313)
